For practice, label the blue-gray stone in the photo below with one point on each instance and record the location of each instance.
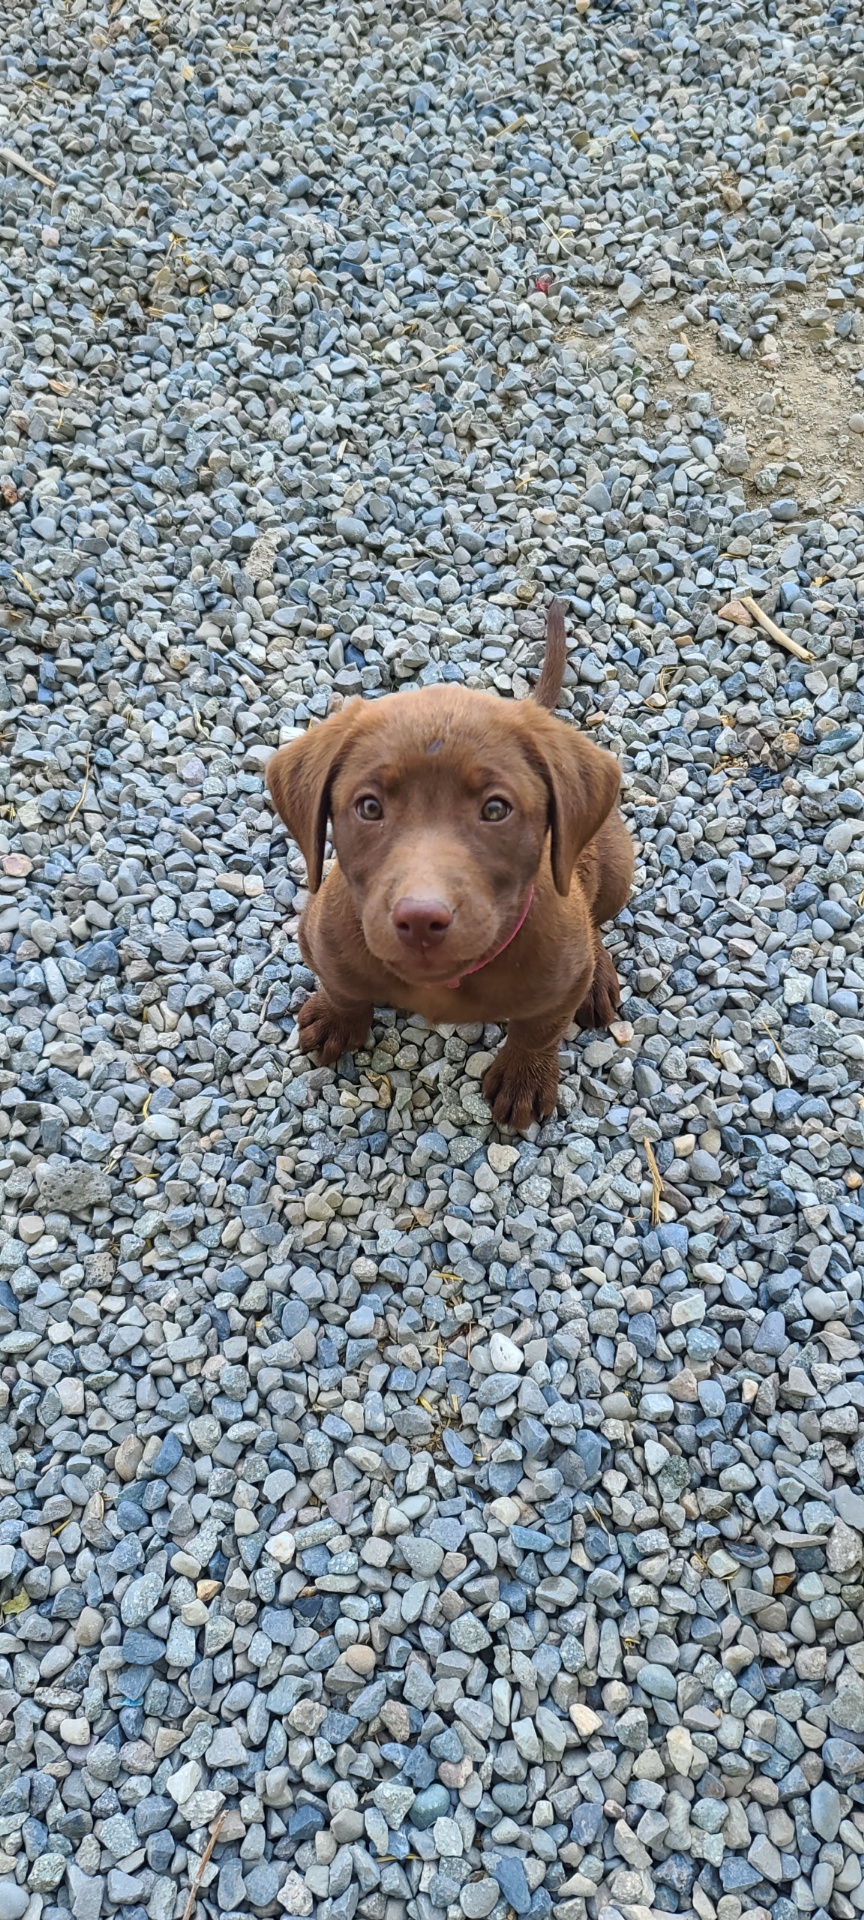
(709, 1815)
(535, 1439)
(429, 1806)
(295, 1316)
(844, 1761)
(231, 1886)
(14, 1900)
(142, 1598)
(142, 1649)
(825, 1810)
(133, 1683)
(702, 1343)
(531, 1540)
(842, 740)
(370, 1701)
(119, 1835)
(430, 1146)
(351, 528)
(752, 1681)
(338, 1727)
(642, 1330)
(99, 957)
(169, 1456)
(131, 1516)
(460, 1454)
(305, 1822)
(657, 1681)
(447, 1532)
(278, 1624)
(263, 1883)
(781, 1199)
(599, 499)
(736, 1874)
(160, 1851)
(152, 1814)
(588, 1448)
(504, 1477)
(677, 1871)
(508, 1870)
(586, 1822)
(772, 1337)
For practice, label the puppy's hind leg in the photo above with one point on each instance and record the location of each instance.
(611, 879)
(613, 870)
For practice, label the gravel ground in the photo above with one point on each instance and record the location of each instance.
(396, 1519)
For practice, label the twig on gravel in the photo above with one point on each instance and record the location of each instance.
(774, 632)
(777, 1048)
(656, 1182)
(202, 1865)
(80, 800)
(26, 166)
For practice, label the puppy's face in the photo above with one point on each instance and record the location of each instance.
(441, 802)
(439, 820)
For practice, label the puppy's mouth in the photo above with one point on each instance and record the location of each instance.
(435, 969)
(436, 963)
(437, 966)
(424, 955)
(432, 965)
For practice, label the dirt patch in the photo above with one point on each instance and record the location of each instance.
(792, 408)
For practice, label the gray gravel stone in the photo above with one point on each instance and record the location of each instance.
(825, 1810)
(512, 1880)
(847, 1708)
(14, 1900)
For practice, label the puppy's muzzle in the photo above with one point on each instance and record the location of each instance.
(421, 923)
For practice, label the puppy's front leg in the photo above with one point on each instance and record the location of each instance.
(521, 1085)
(331, 1030)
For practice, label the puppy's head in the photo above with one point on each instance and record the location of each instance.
(441, 802)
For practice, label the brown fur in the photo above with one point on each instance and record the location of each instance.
(426, 891)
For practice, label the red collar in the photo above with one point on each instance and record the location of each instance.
(452, 984)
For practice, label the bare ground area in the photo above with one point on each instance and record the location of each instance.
(797, 408)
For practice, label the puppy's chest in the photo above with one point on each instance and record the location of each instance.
(510, 996)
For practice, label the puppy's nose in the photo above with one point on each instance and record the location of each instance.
(421, 923)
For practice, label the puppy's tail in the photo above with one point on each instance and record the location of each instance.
(554, 660)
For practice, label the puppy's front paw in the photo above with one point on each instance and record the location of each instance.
(324, 1030)
(521, 1087)
(600, 1005)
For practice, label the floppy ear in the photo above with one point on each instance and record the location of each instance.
(582, 782)
(300, 777)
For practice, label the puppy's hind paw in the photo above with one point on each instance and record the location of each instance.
(600, 1005)
(330, 1031)
(521, 1088)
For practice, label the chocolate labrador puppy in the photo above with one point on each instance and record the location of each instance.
(479, 851)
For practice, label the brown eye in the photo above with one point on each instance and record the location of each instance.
(369, 808)
(495, 809)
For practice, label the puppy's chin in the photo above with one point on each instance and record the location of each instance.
(434, 972)
(432, 968)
